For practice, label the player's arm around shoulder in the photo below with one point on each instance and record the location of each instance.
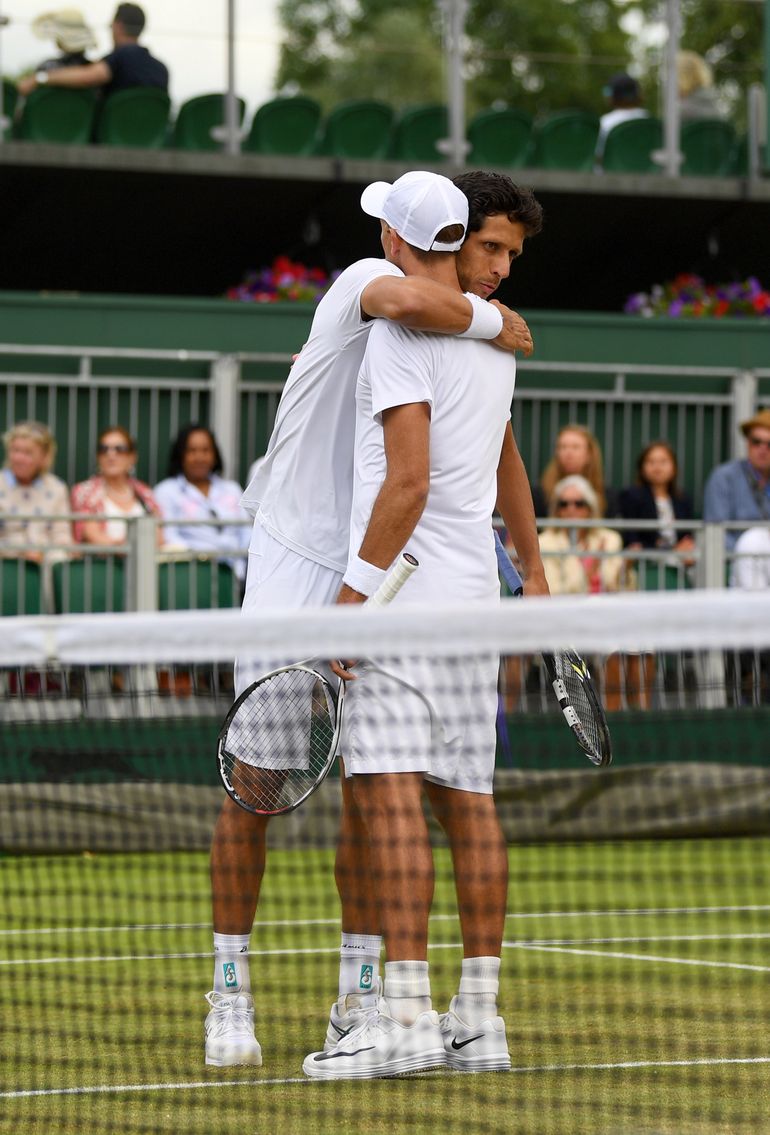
(418, 303)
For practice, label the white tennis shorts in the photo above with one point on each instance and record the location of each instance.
(434, 716)
(278, 577)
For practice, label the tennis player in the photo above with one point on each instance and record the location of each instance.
(301, 498)
(433, 414)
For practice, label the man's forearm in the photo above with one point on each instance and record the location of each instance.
(514, 503)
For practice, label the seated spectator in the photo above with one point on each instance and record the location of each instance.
(626, 103)
(28, 487)
(576, 450)
(656, 496)
(113, 492)
(740, 490)
(71, 34)
(577, 569)
(195, 490)
(695, 80)
(128, 64)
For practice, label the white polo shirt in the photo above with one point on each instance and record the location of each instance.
(469, 386)
(302, 491)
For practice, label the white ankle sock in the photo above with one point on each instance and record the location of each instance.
(231, 963)
(359, 964)
(407, 990)
(479, 986)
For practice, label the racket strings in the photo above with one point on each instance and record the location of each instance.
(279, 740)
(588, 727)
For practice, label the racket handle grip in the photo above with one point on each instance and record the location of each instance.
(507, 570)
(393, 581)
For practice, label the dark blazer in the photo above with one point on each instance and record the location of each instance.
(638, 503)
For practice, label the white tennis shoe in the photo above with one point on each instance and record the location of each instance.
(474, 1048)
(380, 1046)
(229, 1028)
(348, 1012)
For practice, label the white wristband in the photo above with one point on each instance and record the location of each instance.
(486, 321)
(363, 576)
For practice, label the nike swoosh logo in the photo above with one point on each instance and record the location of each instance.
(333, 1055)
(463, 1043)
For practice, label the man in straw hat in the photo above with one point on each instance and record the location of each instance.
(740, 490)
(127, 65)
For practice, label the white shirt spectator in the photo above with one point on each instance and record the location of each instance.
(751, 568)
(180, 502)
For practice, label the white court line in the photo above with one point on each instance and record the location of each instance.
(299, 922)
(639, 957)
(563, 946)
(115, 1089)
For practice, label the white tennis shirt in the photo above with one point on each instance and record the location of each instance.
(302, 491)
(469, 386)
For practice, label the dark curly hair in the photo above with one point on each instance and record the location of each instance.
(492, 193)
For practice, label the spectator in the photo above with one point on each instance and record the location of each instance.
(626, 99)
(576, 450)
(27, 486)
(577, 569)
(695, 80)
(195, 490)
(740, 490)
(127, 65)
(751, 566)
(656, 496)
(113, 492)
(71, 34)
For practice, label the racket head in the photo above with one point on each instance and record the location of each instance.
(279, 740)
(579, 702)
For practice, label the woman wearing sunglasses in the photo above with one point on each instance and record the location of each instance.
(114, 492)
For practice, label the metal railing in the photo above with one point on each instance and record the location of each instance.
(77, 393)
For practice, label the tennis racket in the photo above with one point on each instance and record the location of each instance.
(571, 682)
(280, 737)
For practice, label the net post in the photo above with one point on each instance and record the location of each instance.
(710, 573)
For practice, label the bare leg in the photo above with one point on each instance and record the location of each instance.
(480, 860)
(237, 868)
(401, 859)
(352, 868)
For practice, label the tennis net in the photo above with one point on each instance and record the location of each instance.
(635, 963)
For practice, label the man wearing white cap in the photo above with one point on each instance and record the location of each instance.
(301, 497)
(432, 418)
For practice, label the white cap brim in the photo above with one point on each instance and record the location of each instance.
(373, 198)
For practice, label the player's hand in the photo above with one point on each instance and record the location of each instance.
(342, 666)
(515, 335)
(536, 585)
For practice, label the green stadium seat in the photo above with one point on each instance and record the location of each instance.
(185, 585)
(566, 140)
(21, 590)
(708, 145)
(57, 115)
(93, 584)
(416, 132)
(500, 137)
(197, 118)
(10, 98)
(136, 117)
(284, 126)
(629, 146)
(359, 128)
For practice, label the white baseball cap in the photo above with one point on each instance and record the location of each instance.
(418, 206)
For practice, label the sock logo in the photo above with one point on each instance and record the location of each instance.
(366, 977)
(230, 975)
